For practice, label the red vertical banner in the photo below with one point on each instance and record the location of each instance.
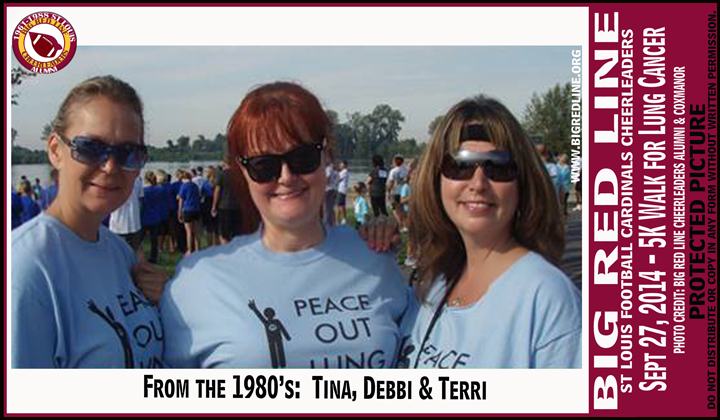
(653, 215)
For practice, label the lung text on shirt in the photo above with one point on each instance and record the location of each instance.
(341, 322)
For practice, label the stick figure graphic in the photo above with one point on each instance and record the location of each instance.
(275, 332)
(108, 317)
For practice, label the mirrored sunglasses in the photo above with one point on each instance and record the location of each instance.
(90, 151)
(497, 166)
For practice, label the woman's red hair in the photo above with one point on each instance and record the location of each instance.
(269, 119)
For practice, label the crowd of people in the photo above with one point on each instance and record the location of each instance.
(391, 187)
(172, 213)
(287, 283)
(175, 214)
(28, 200)
(172, 220)
(559, 170)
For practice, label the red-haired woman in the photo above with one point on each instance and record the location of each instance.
(294, 292)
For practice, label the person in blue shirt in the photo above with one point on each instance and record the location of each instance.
(177, 229)
(49, 193)
(37, 189)
(405, 190)
(564, 181)
(361, 209)
(189, 211)
(164, 241)
(488, 234)
(153, 204)
(30, 207)
(210, 222)
(16, 209)
(74, 303)
(550, 166)
(294, 292)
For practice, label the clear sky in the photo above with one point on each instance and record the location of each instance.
(194, 90)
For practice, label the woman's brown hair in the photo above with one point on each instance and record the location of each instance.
(537, 224)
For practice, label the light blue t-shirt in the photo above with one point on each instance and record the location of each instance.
(564, 177)
(239, 305)
(530, 317)
(361, 209)
(74, 304)
(552, 169)
(405, 193)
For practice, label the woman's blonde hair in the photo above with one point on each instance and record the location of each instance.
(106, 86)
(150, 178)
(161, 176)
(537, 224)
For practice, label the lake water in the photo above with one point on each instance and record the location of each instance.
(359, 169)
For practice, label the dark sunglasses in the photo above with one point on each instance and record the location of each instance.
(302, 160)
(90, 151)
(497, 166)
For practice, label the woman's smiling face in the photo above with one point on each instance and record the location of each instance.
(480, 208)
(96, 189)
(292, 201)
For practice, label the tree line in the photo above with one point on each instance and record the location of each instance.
(546, 119)
(359, 137)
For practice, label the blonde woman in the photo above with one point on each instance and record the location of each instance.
(74, 304)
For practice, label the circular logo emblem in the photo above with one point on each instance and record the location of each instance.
(44, 42)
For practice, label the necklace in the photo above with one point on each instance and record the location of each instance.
(455, 302)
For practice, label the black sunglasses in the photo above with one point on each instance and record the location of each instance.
(497, 166)
(301, 160)
(90, 151)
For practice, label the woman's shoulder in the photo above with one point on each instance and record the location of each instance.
(35, 247)
(545, 283)
(34, 234)
(348, 246)
(533, 278)
(28, 239)
(343, 236)
(347, 240)
(556, 301)
(531, 261)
